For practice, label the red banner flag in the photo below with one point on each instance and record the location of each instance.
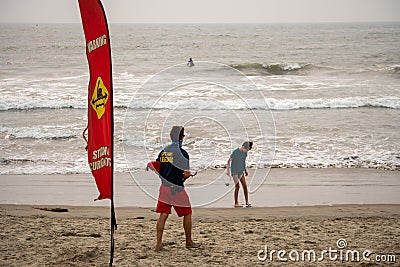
(100, 143)
(100, 107)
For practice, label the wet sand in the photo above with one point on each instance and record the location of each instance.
(282, 187)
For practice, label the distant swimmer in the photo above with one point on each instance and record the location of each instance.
(190, 63)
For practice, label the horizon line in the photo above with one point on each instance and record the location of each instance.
(212, 23)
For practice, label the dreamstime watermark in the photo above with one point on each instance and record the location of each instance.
(339, 253)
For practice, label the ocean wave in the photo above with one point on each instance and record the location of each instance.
(389, 102)
(28, 166)
(395, 69)
(15, 161)
(41, 166)
(378, 70)
(261, 69)
(40, 104)
(39, 133)
(345, 164)
(274, 68)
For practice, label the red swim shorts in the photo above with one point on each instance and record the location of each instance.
(180, 201)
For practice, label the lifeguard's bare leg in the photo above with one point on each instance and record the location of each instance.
(160, 229)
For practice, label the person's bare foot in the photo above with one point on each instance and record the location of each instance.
(192, 245)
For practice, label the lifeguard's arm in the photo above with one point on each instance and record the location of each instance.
(186, 174)
(228, 166)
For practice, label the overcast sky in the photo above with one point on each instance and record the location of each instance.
(205, 11)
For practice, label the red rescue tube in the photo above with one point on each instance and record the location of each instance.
(154, 166)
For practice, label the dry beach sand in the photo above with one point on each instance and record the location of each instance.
(36, 236)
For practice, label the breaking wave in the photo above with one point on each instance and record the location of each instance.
(261, 69)
(39, 133)
(274, 68)
(389, 102)
(278, 104)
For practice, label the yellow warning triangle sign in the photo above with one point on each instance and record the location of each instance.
(99, 98)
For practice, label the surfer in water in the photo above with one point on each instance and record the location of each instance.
(190, 63)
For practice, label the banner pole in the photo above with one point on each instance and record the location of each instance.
(113, 227)
(113, 219)
(100, 142)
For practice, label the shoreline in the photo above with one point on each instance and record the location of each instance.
(281, 188)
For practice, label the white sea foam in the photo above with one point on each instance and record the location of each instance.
(40, 132)
(391, 102)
